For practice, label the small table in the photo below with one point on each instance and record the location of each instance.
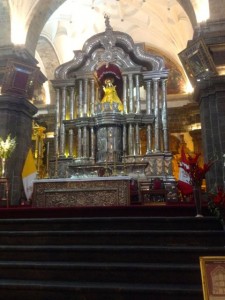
(4, 190)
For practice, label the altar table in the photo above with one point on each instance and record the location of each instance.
(96, 191)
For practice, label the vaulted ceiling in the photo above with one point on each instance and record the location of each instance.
(55, 28)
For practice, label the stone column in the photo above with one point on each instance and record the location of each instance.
(16, 115)
(211, 96)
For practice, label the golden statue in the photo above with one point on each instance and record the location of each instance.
(111, 94)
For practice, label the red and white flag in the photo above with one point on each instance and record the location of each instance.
(184, 179)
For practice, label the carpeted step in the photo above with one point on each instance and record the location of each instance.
(170, 210)
(114, 237)
(117, 223)
(113, 258)
(58, 290)
(104, 253)
(132, 273)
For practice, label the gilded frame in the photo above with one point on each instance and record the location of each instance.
(213, 277)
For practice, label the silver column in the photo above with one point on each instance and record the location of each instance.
(71, 103)
(92, 97)
(62, 127)
(85, 96)
(164, 115)
(148, 112)
(138, 104)
(71, 133)
(125, 94)
(79, 143)
(85, 142)
(80, 114)
(137, 140)
(57, 123)
(124, 139)
(71, 136)
(92, 143)
(156, 113)
(131, 139)
(148, 98)
(131, 94)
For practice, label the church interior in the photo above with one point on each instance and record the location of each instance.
(108, 98)
(41, 40)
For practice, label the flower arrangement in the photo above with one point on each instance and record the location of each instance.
(7, 146)
(216, 204)
(194, 170)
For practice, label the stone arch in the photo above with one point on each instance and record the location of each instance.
(5, 32)
(49, 59)
(43, 11)
(188, 8)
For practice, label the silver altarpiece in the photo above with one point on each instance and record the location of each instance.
(123, 133)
